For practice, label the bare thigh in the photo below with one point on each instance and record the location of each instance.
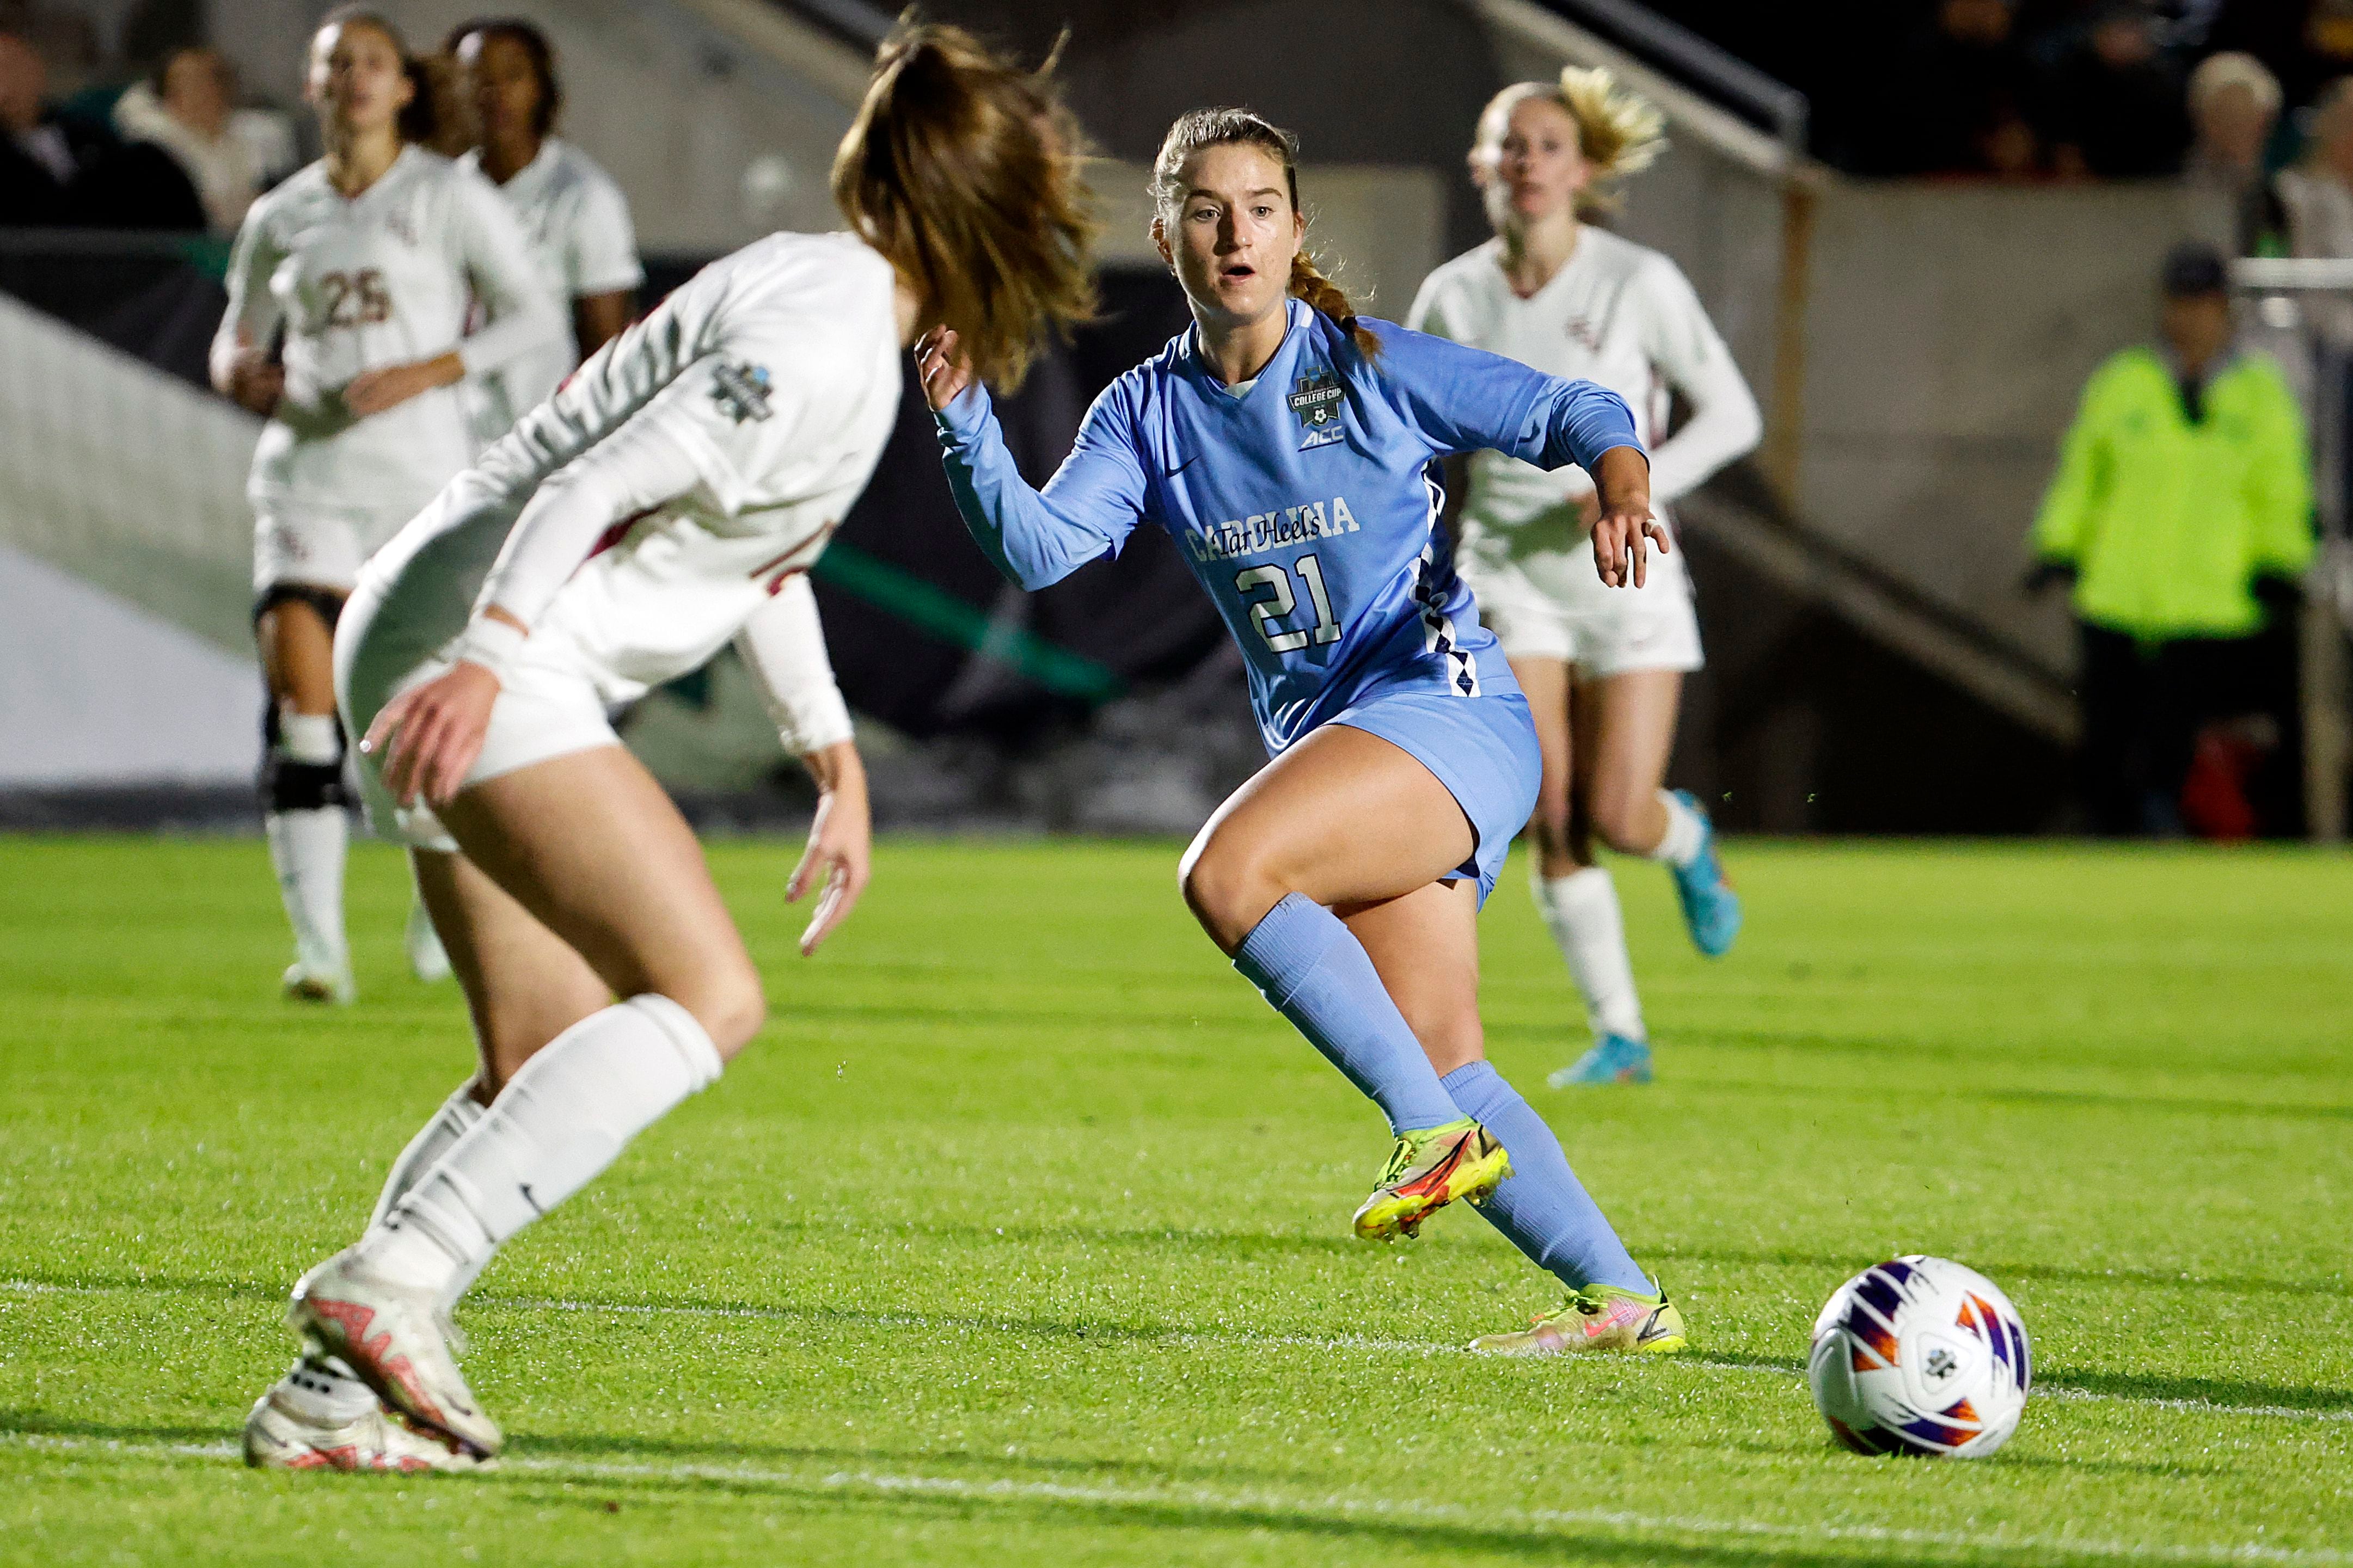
(1343, 817)
(1424, 947)
(1622, 731)
(594, 850)
(525, 984)
(298, 656)
(1546, 682)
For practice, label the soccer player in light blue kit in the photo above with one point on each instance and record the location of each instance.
(1287, 446)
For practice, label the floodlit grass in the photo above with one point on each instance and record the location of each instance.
(1021, 1236)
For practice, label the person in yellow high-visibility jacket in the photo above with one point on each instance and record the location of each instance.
(2181, 512)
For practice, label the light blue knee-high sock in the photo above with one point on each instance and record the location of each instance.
(1541, 1206)
(1316, 974)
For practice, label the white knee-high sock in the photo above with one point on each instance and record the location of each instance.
(555, 1126)
(307, 845)
(450, 1122)
(323, 1383)
(307, 850)
(1680, 845)
(1581, 911)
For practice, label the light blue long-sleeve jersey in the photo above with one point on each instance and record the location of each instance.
(1307, 506)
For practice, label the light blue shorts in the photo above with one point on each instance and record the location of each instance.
(1482, 749)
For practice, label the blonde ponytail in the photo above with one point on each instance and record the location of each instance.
(1619, 131)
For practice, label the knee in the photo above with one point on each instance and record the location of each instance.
(1625, 820)
(1226, 885)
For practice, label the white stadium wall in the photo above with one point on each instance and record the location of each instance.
(96, 690)
(125, 568)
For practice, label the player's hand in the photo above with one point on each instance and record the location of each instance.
(1624, 529)
(256, 382)
(390, 386)
(431, 735)
(944, 371)
(1620, 545)
(840, 856)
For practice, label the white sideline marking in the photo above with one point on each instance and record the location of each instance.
(1425, 1348)
(1248, 1504)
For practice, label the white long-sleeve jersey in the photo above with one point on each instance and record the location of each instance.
(576, 223)
(1618, 314)
(674, 492)
(380, 279)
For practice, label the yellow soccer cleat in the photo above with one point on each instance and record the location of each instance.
(1598, 1317)
(1427, 1171)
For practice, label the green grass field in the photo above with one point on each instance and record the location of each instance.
(1021, 1236)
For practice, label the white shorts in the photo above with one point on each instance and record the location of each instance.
(1553, 604)
(322, 550)
(548, 707)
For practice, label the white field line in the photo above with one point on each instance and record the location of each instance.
(1230, 1338)
(1250, 1506)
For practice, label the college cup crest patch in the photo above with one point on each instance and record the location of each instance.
(1318, 403)
(741, 390)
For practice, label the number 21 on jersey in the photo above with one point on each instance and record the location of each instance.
(1280, 603)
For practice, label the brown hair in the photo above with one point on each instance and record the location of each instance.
(1206, 128)
(418, 122)
(962, 168)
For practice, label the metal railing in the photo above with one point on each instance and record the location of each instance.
(1671, 47)
(2324, 670)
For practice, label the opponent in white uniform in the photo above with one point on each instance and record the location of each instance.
(573, 215)
(369, 263)
(1603, 666)
(669, 498)
(673, 494)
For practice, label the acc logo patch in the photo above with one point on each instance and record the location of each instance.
(741, 391)
(1318, 403)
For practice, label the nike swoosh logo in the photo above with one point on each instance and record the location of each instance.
(1182, 466)
(524, 1188)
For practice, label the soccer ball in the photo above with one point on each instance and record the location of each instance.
(1921, 1356)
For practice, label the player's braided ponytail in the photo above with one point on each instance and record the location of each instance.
(1206, 128)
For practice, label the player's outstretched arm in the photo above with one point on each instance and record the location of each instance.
(1086, 511)
(783, 645)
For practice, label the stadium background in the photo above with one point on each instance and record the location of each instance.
(1917, 345)
(812, 1319)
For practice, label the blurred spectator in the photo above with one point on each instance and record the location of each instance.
(58, 173)
(66, 42)
(1956, 97)
(39, 160)
(2111, 100)
(187, 107)
(2181, 513)
(2318, 192)
(2235, 102)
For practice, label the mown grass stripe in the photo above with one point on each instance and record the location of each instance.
(1260, 1509)
(1194, 1338)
